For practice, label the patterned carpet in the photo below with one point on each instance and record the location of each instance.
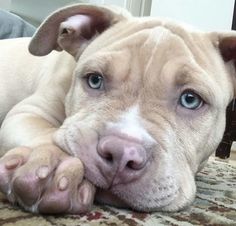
(215, 204)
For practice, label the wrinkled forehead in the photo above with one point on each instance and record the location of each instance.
(142, 52)
(156, 55)
(133, 37)
(142, 47)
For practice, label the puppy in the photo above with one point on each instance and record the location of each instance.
(131, 106)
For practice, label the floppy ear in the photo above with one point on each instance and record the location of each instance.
(227, 48)
(72, 28)
(226, 42)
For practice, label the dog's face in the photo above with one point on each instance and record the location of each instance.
(146, 108)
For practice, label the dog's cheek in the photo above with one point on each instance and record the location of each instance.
(77, 133)
(203, 136)
(174, 163)
(186, 193)
(182, 185)
(74, 97)
(216, 131)
(167, 186)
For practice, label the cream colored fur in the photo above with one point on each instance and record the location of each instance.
(147, 63)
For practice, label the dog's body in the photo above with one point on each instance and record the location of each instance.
(46, 77)
(141, 102)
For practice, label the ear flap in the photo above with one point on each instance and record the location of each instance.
(227, 47)
(226, 42)
(73, 28)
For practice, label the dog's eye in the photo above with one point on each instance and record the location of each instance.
(95, 81)
(190, 100)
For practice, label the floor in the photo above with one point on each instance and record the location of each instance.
(231, 160)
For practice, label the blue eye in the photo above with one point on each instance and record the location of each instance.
(95, 81)
(190, 100)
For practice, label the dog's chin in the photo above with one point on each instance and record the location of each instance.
(109, 197)
(106, 197)
(165, 196)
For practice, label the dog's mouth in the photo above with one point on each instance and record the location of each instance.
(139, 203)
(107, 197)
(140, 195)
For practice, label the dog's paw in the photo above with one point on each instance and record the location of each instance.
(45, 180)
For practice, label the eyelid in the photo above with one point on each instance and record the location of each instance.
(199, 92)
(87, 74)
(191, 91)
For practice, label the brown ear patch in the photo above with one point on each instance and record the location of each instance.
(46, 37)
(227, 48)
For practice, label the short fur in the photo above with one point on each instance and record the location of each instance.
(147, 63)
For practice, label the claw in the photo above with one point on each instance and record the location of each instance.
(63, 184)
(12, 163)
(10, 196)
(85, 195)
(43, 172)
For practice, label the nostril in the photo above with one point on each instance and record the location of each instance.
(130, 165)
(133, 165)
(108, 156)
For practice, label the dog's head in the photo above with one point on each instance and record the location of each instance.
(147, 102)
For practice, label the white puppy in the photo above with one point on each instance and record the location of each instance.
(133, 106)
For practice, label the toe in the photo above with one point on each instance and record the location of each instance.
(59, 197)
(9, 163)
(84, 198)
(32, 179)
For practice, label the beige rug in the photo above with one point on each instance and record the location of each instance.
(215, 204)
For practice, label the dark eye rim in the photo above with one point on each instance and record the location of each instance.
(88, 76)
(194, 93)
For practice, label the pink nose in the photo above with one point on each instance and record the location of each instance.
(122, 160)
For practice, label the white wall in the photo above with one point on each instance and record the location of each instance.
(5, 4)
(202, 14)
(35, 11)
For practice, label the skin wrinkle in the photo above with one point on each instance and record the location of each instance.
(161, 118)
(162, 144)
(78, 130)
(182, 144)
(195, 61)
(67, 143)
(192, 158)
(149, 62)
(158, 41)
(188, 40)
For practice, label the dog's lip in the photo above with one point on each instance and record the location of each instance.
(114, 181)
(107, 197)
(110, 197)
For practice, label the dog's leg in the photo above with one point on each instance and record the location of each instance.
(40, 176)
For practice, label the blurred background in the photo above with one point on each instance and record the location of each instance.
(202, 14)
